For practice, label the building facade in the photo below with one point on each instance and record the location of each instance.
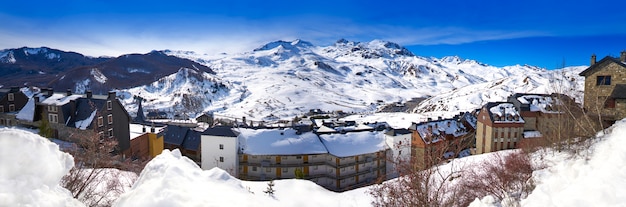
(605, 88)
(499, 127)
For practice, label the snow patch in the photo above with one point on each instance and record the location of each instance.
(31, 168)
(28, 111)
(83, 124)
(98, 76)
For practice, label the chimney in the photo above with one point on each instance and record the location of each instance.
(111, 95)
(72, 107)
(69, 92)
(143, 128)
(36, 99)
(593, 59)
(622, 56)
(50, 91)
(89, 94)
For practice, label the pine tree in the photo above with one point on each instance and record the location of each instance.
(270, 189)
(45, 130)
(299, 173)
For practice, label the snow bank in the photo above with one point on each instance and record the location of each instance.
(597, 181)
(31, 168)
(173, 180)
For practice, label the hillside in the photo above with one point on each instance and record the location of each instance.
(283, 79)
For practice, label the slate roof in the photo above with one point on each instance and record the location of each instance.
(222, 131)
(175, 135)
(619, 92)
(602, 62)
(192, 140)
(84, 108)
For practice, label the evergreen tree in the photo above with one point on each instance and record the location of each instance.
(270, 189)
(45, 130)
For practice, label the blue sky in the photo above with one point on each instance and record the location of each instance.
(495, 32)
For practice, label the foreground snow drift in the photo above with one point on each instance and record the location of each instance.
(599, 180)
(31, 168)
(173, 180)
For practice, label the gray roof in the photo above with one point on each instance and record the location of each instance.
(175, 135)
(619, 92)
(222, 131)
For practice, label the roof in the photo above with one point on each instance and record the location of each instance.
(192, 140)
(175, 135)
(435, 131)
(539, 102)
(619, 92)
(354, 143)
(503, 112)
(599, 64)
(60, 99)
(28, 111)
(279, 142)
(220, 131)
(396, 132)
(136, 130)
(86, 110)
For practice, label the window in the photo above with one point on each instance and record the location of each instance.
(221, 146)
(315, 167)
(400, 152)
(298, 157)
(268, 169)
(11, 107)
(100, 121)
(1, 109)
(109, 105)
(603, 80)
(110, 133)
(285, 170)
(609, 103)
(110, 118)
(221, 159)
(11, 97)
(52, 109)
(253, 168)
(53, 118)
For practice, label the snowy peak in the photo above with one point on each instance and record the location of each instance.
(368, 50)
(293, 45)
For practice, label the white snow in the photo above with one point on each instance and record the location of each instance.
(173, 180)
(136, 130)
(83, 124)
(28, 111)
(31, 168)
(6, 56)
(544, 104)
(354, 143)
(60, 99)
(532, 134)
(279, 142)
(507, 113)
(597, 180)
(98, 76)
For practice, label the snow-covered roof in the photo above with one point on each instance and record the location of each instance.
(325, 129)
(354, 143)
(433, 131)
(59, 99)
(543, 103)
(83, 124)
(28, 111)
(532, 134)
(505, 113)
(279, 142)
(136, 130)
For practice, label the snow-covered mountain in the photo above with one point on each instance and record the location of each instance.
(283, 79)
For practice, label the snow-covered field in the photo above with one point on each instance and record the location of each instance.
(596, 178)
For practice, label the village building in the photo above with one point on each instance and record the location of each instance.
(605, 88)
(500, 126)
(435, 140)
(399, 154)
(12, 100)
(220, 148)
(184, 138)
(146, 142)
(104, 114)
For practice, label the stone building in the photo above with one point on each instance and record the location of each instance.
(605, 88)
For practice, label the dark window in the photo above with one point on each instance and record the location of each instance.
(221, 159)
(609, 103)
(100, 121)
(11, 97)
(221, 146)
(11, 107)
(603, 80)
(1, 109)
(110, 118)
(110, 133)
(109, 105)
